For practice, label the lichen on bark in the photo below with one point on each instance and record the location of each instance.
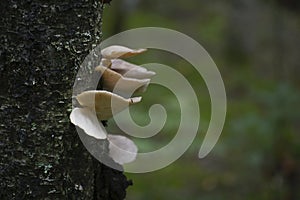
(42, 44)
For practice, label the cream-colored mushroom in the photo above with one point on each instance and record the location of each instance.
(130, 70)
(121, 149)
(117, 51)
(86, 119)
(115, 82)
(105, 103)
(105, 62)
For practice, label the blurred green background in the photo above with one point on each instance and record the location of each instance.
(256, 46)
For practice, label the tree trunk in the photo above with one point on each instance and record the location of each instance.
(42, 157)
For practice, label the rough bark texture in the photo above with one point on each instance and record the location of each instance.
(42, 44)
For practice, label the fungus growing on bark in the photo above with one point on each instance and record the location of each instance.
(126, 85)
(97, 105)
(100, 102)
(127, 69)
(117, 51)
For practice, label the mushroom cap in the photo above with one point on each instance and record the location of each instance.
(121, 149)
(115, 82)
(130, 70)
(86, 119)
(105, 103)
(117, 51)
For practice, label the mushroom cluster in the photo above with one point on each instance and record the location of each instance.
(120, 81)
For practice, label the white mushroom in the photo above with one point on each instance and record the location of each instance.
(115, 82)
(117, 51)
(130, 70)
(86, 119)
(121, 149)
(122, 78)
(105, 103)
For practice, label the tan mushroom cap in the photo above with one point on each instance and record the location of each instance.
(113, 81)
(130, 70)
(117, 51)
(102, 102)
(105, 62)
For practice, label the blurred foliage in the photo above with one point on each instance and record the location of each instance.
(256, 47)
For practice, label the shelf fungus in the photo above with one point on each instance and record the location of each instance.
(120, 80)
(105, 103)
(117, 51)
(127, 69)
(115, 82)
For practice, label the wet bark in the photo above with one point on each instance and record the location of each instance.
(42, 44)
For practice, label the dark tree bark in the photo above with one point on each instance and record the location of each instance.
(42, 157)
